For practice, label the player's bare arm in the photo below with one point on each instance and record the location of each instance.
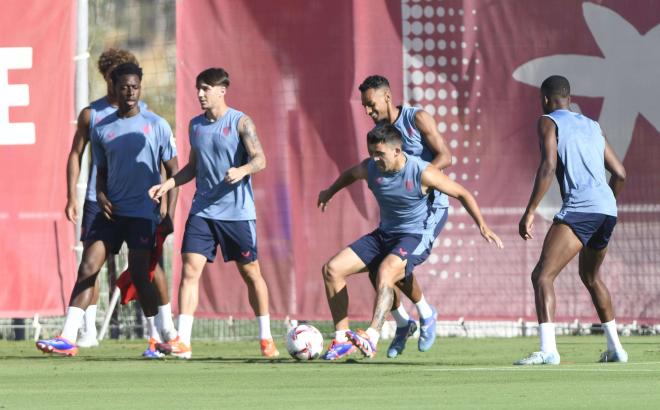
(547, 132)
(102, 192)
(433, 178)
(80, 139)
(345, 179)
(183, 176)
(248, 133)
(615, 167)
(429, 130)
(171, 168)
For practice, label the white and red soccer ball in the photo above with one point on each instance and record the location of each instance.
(304, 342)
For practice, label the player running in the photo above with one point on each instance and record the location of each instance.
(573, 148)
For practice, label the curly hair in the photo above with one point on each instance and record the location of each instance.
(113, 57)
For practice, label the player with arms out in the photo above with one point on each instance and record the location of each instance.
(573, 148)
(128, 147)
(224, 152)
(402, 185)
(420, 137)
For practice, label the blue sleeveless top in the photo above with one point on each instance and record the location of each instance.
(581, 165)
(99, 109)
(404, 208)
(132, 150)
(414, 144)
(218, 147)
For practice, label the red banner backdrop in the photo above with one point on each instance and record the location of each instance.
(295, 66)
(36, 109)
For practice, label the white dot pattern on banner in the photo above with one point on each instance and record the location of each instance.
(442, 71)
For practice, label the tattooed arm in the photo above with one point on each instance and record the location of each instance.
(248, 134)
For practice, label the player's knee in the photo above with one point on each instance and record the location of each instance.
(87, 269)
(589, 281)
(387, 278)
(251, 273)
(189, 277)
(540, 278)
(330, 272)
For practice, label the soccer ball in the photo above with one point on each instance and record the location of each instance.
(304, 342)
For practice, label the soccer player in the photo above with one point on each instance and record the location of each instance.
(573, 148)
(87, 118)
(225, 152)
(422, 139)
(402, 185)
(128, 147)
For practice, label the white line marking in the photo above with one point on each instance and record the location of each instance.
(612, 367)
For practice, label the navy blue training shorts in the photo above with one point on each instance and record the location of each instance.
(373, 247)
(237, 239)
(593, 230)
(138, 233)
(91, 211)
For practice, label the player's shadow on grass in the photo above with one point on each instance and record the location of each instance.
(289, 361)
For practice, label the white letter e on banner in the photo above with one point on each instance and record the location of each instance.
(14, 96)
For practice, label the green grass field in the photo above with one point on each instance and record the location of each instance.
(457, 373)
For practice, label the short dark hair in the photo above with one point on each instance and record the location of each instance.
(386, 133)
(213, 76)
(556, 85)
(375, 82)
(125, 69)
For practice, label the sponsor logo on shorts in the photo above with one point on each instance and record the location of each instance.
(403, 252)
(246, 254)
(144, 240)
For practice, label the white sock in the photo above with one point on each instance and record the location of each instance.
(374, 335)
(152, 329)
(613, 343)
(547, 334)
(400, 316)
(424, 309)
(72, 323)
(340, 335)
(90, 321)
(185, 328)
(165, 323)
(264, 327)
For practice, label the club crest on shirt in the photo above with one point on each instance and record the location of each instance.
(225, 131)
(147, 129)
(409, 185)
